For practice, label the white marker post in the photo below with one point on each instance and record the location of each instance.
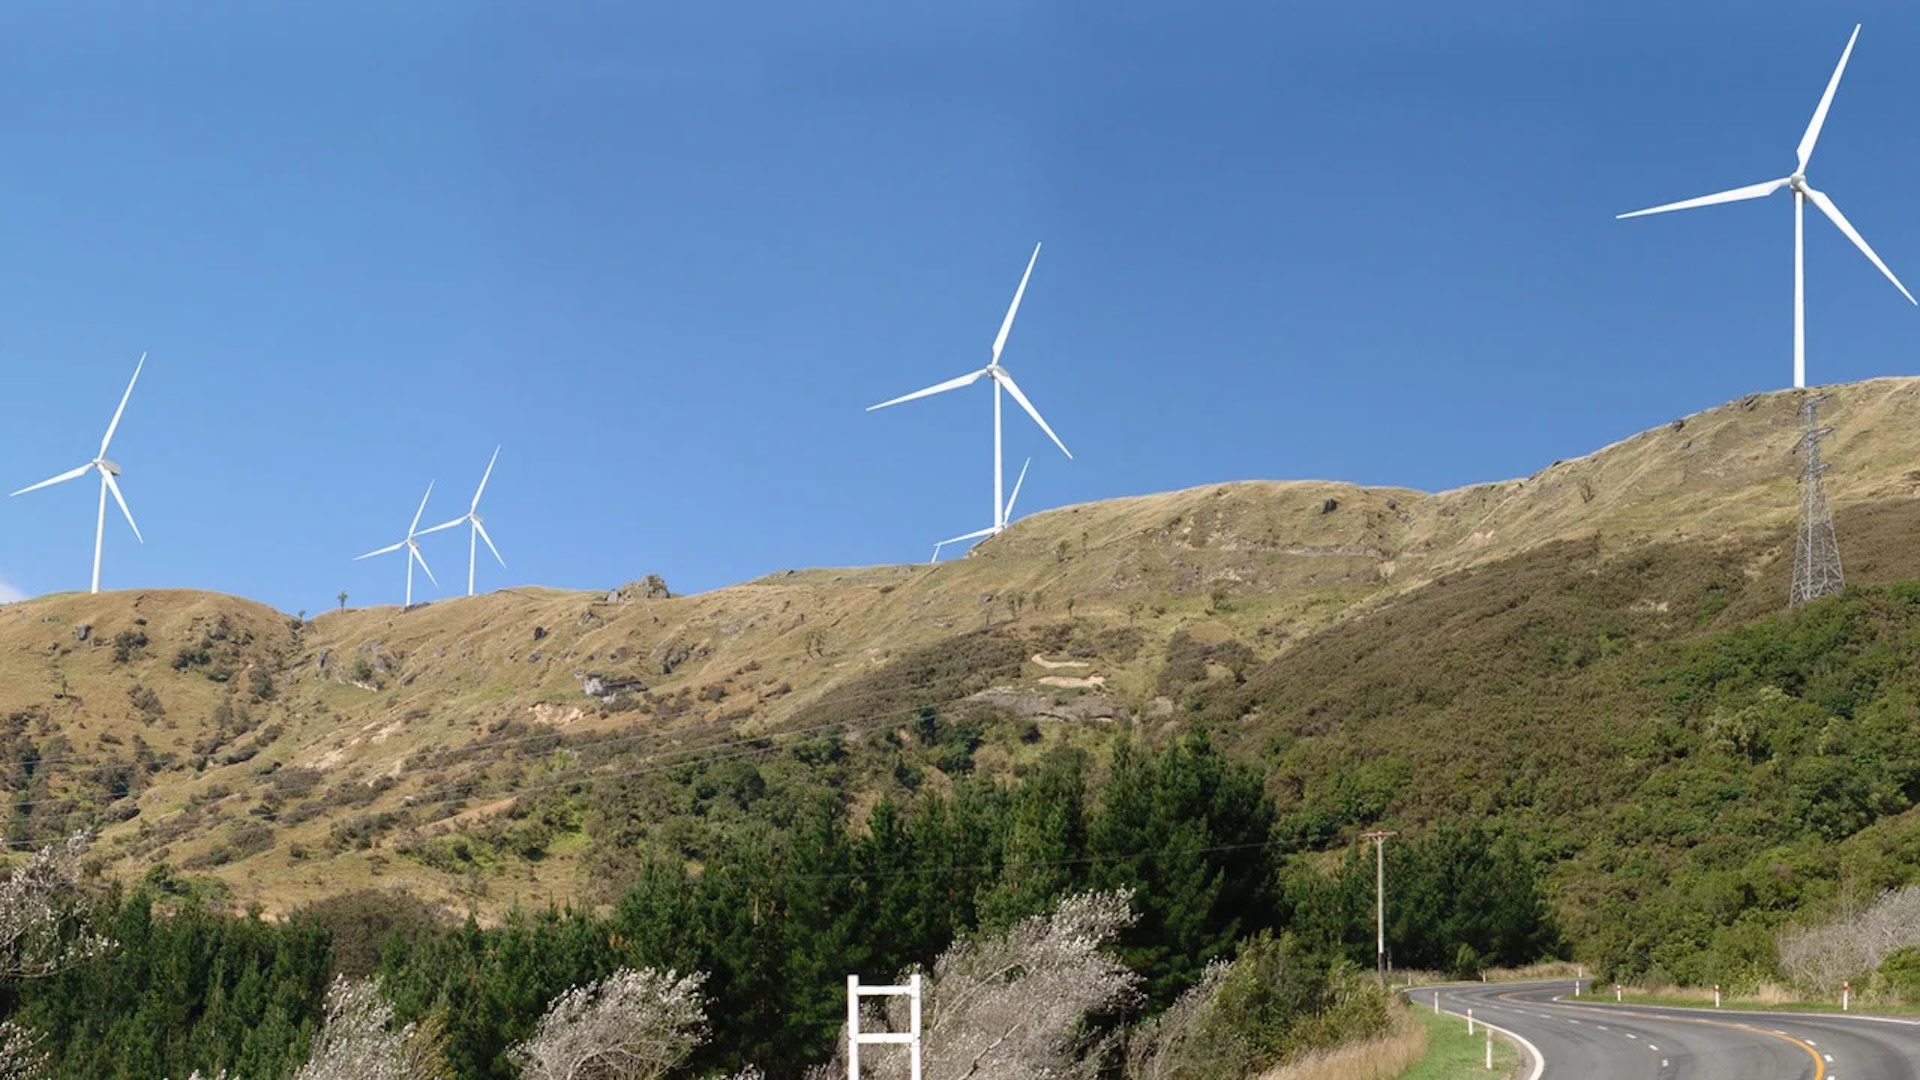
(1436, 1002)
(909, 1038)
(1616, 991)
(1846, 991)
(1716, 995)
(1489, 1048)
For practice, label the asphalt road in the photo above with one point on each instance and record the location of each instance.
(1568, 1038)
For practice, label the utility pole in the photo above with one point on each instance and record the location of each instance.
(1379, 838)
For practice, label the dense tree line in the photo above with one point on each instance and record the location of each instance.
(778, 917)
(780, 908)
(1458, 900)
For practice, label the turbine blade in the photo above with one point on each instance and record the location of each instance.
(422, 510)
(1840, 221)
(1751, 191)
(1008, 516)
(1006, 380)
(937, 388)
(463, 518)
(1826, 101)
(65, 476)
(381, 551)
(422, 560)
(483, 481)
(1006, 325)
(974, 535)
(108, 437)
(114, 486)
(482, 529)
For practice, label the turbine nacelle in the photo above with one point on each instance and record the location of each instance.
(1002, 379)
(1803, 193)
(411, 545)
(107, 470)
(477, 527)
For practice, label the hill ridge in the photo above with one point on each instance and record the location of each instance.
(288, 757)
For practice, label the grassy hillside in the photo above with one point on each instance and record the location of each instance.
(1494, 652)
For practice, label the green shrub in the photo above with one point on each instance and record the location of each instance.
(1899, 975)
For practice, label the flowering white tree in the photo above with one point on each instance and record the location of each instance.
(40, 904)
(20, 1056)
(1158, 1048)
(41, 932)
(1014, 1005)
(356, 1041)
(1854, 943)
(632, 1025)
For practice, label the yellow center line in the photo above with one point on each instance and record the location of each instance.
(1819, 1065)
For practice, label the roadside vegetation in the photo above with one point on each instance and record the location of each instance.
(1452, 1054)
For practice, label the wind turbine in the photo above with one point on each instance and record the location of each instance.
(479, 530)
(1802, 192)
(412, 544)
(1002, 379)
(108, 470)
(1005, 518)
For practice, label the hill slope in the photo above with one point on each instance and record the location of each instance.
(1322, 625)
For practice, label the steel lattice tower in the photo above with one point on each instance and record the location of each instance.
(1816, 551)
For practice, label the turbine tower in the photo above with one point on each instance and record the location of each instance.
(1816, 551)
(1802, 192)
(1002, 379)
(479, 530)
(1004, 519)
(107, 470)
(412, 544)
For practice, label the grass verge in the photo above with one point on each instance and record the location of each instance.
(1452, 1054)
(1383, 1057)
(1770, 999)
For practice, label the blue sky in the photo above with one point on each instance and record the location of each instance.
(666, 254)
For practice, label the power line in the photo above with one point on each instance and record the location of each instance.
(748, 746)
(482, 745)
(825, 701)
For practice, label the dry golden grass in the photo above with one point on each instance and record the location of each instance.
(1765, 995)
(359, 694)
(1380, 1058)
(1548, 969)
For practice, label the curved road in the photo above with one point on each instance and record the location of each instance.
(1568, 1038)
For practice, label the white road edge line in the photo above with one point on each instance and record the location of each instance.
(1527, 1048)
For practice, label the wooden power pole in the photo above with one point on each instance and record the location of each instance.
(1379, 838)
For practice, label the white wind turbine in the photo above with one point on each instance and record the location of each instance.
(1002, 379)
(1801, 193)
(1005, 519)
(108, 470)
(412, 544)
(479, 530)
